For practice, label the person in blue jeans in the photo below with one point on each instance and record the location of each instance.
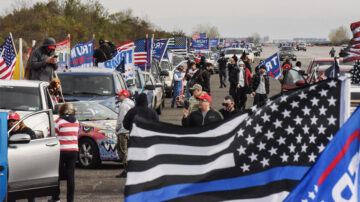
(177, 84)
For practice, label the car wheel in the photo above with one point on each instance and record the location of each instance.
(88, 154)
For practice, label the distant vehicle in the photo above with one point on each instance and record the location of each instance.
(229, 52)
(157, 99)
(92, 84)
(137, 86)
(256, 50)
(97, 137)
(301, 46)
(287, 51)
(165, 65)
(33, 164)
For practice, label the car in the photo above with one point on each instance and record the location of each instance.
(97, 136)
(293, 79)
(256, 51)
(92, 84)
(229, 52)
(157, 92)
(33, 164)
(301, 46)
(165, 65)
(287, 51)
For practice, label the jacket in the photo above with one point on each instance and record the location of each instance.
(232, 68)
(247, 76)
(66, 130)
(256, 81)
(124, 107)
(195, 119)
(141, 109)
(39, 69)
(204, 80)
(227, 114)
(222, 63)
(177, 80)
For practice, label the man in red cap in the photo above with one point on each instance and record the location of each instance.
(204, 115)
(43, 61)
(21, 128)
(122, 134)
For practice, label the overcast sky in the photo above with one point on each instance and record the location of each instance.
(279, 19)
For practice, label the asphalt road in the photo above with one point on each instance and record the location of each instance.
(100, 185)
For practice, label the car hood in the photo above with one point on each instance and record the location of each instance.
(86, 98)
(109, 125)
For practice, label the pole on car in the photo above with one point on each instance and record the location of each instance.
(62, 96)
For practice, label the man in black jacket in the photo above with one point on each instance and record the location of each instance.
(204, 116)
(228, 109)
(205, 76)
(141, 109)
(222, 70)
(43, 61)
(260, 86)
(233, 71)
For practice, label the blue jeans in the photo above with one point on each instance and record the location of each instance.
(222, 75)
(176, 93)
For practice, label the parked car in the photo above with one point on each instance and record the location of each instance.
(33, 164)
(87, 84)
(157, 92)
(97, 137)
(165, 65)
(287, 51)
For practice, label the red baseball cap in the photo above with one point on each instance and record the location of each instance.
(205, 96)
(52, 47)
(124, 93)
(14, 116)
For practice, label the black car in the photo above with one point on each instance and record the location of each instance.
(287, 51)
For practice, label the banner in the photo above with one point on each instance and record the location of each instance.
(201, 44)
(63, 52)
(159, 48)
(82, 54)
(214, 42)
(273, 67)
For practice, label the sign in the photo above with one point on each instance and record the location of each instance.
(125, 58)
(273, 67)
(214, 42)
(159, 48)
(82, 54)
(63, 52)
(200, 44)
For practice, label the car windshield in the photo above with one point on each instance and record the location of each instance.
(286, 48)
(233, 51)
(93, 111)
(177, 60)
(292, 76)
(87, 85)
(19, 98)
(164, 65)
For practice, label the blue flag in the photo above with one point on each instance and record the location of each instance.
(214, 42)
(200, 44)
(335, 175)
(273, 67)
(333, 71)
(159, 48)
(82, 54)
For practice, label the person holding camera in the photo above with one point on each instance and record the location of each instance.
(228, 109)
(43, 61)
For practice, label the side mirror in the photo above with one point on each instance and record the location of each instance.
(300, 83)
(19, 139)
(149, 87)
(164, 73)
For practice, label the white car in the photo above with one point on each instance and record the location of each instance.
(157, 92)
(229, 52)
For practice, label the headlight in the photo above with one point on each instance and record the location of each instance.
(108, 133)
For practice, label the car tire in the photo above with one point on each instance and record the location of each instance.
(88, 154)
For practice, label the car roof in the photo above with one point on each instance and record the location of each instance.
(89, 71)
(343, 68)
(27, 83)
(325, 59)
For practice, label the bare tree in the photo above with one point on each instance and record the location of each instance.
(339, 36)
(211, 31)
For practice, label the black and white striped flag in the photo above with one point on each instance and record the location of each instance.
(260, 156)
(178, 45)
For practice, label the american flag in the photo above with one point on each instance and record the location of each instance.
(198, 36)
(142, 53)
(7, 60)
(260, 157)
(178, 45)
(125, 46)
(353, 49)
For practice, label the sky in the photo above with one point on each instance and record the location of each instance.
(278, 19)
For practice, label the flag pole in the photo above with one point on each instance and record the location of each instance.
(146, 37)
(12, 40)
(20, 59)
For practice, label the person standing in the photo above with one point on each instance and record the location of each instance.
(122, 134)
(222, 70)
(297, 66)
(332, 52)
(205, 78)
(246, 61)
(191, 77)
(203, 116)
(178, 79)
(242, 88)
(228, 109)
(260, 86)
(66, 130)
(43, 61)
(232, 68)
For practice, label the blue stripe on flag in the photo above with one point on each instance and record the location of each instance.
(257, 179)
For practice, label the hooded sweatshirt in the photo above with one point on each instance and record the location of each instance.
(66, 130)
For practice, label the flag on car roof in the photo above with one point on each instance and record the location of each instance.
(178, 45)
(353, 50)
(142, 53)
(335, 175)
(7, 59)
(261, 157)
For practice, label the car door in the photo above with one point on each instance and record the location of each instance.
(3, 155)
(157, 92)
(35, 164)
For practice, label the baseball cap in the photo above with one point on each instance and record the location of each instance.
(196, 86)
(205, 96)
(14, 116)
(52, 47)
(124, 93)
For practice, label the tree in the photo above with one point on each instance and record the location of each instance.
(254, 38)
(339, 35)
(211, 31)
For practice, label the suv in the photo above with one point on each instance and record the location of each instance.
(301, 46)
(97, 84)
(33, 164)
(287, 51)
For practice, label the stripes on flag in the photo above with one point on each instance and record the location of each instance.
(125, 46)
(353, 50)
(142, 53)
(178, 45)
(7, 60)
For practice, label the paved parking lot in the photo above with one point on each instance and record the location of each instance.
(101, 185)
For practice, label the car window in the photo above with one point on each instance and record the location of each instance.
(40, 124)
(118, 86)
(148, 80)
(92, 111)
(287, 48)
(122, 82)
(164, 65)
(20, 98)
(292, 76)
(87, 85)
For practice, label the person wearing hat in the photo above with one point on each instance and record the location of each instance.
(21, 128)
(222, 62)
(193, 102)
(243, 83)
(201, 64)
(204, 115)
(43, 61)
(287, 64)
(125, 104)
(178, 87)
(260, 86)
